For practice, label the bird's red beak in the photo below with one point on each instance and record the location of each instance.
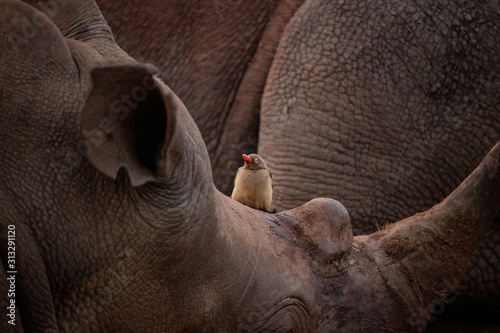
(246, 158)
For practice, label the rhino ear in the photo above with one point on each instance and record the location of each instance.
(125, 121)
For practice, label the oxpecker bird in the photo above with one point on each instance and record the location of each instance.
(253, 185)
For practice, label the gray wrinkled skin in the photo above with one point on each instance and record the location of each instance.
(119, 226)
(390, 105)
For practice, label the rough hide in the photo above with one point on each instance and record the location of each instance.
(119, 226)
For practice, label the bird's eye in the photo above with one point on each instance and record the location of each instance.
(256, 160)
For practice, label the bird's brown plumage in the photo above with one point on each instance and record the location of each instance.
(253, 185)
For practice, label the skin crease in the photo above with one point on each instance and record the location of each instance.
(143, 241)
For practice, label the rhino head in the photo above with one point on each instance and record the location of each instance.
(119, 227)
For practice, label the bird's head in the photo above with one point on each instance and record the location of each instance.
(254, 162)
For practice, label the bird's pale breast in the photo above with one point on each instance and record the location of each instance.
(253, 188)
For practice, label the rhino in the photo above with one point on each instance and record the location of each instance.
(110, 219)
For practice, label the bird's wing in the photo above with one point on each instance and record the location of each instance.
(271, 176)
